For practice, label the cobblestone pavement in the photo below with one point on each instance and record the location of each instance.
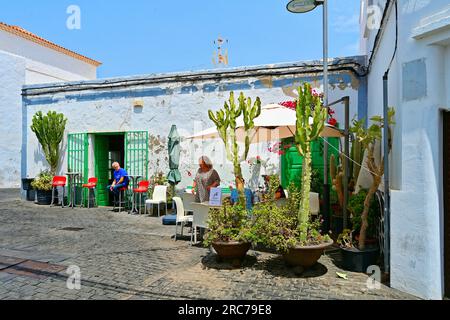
(134, 257)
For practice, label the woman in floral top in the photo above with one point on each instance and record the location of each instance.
(205, 179)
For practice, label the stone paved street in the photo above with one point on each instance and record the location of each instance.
(134, 257)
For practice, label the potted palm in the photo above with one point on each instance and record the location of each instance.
(228, 227)
(290, 229)
(43, 186)
(357, 253)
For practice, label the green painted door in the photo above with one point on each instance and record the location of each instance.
(291, 161)
(102, 168)
(77, 151)
(136, 153)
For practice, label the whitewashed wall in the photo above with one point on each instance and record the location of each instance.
(12, 77)
(184, 104)
(45, 65)
(416, 161)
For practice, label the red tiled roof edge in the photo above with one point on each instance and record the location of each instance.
(41, 41)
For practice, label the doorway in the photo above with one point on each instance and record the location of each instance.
(446, 183)
(109, 148)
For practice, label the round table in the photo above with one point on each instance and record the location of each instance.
(72, 191)
(134, 180)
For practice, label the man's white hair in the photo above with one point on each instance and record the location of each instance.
(115, 164)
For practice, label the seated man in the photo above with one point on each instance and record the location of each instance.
(121, 179)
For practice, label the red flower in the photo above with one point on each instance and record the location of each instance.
(332, 122)
(289, 104)
(288, 146)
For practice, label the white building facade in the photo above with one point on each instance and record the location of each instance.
(415, 36)
(143, 109)
(27, 59)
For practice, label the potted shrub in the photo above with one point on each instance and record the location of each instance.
(291, 229)
(230, 232)
(228, 227)
(43, 186)
(357, 253)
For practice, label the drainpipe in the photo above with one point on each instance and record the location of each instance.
(387, 211)
(346, 161)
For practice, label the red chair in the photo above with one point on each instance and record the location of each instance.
(142, 189)
(91, 185)
(58, 181)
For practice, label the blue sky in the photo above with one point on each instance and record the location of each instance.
(141, 36)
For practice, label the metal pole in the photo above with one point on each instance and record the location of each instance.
(346, 161)
(326, 186)
(386, 174)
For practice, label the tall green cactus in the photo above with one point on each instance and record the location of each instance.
(311, 117)
(226, 123)
(49, 131)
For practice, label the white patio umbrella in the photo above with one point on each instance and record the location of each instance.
(275, 122)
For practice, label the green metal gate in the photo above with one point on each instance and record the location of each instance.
(136, 153)
(78, 146)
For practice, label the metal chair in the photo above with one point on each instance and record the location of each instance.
(159, 197)
(141, 190)
(58, 181)
(182, 218)
(123, 199)
(91, 185)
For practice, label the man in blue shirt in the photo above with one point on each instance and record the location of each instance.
(121, 179)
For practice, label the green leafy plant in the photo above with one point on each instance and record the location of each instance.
(277, 227)
(356, 208)
(345, 239)
(229, 223)
(226, 123)
(368, 138)
(43, 181)
(49, 130)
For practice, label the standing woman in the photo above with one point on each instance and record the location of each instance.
(205, 179)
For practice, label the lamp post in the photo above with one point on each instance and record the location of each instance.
(303, 6)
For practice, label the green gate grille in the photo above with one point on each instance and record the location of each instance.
(136, 153)
(78, 146)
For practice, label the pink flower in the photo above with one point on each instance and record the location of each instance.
(258, 158)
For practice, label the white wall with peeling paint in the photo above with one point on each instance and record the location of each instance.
(416, 160)
(12, 78)
(189, 111)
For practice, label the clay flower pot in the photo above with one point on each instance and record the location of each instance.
(306, 256)
(231, 249)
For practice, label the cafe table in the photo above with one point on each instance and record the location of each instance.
(134, 184)
(72, 192)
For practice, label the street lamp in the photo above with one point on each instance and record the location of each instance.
(303, 6)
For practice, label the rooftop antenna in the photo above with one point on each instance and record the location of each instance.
(220, 55)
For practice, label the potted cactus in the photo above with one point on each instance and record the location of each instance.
(228, 227)
(356, 252)
(290, 229)
(49, 130)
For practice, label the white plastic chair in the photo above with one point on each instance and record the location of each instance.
(200, 219)
(314, 203)
(188, 199)
(182, 218)
(159, 197)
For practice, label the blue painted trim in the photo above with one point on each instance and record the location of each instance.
(362, 100)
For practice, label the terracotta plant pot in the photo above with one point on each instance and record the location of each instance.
(232, 249)
(305, 256)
